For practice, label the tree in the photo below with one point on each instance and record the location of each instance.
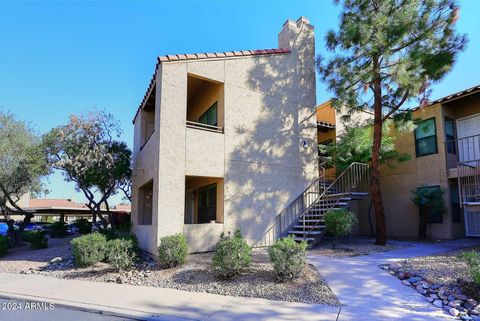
(355, 145)
(428, 200)
(86, 152)
(385, 54)
(23, 162)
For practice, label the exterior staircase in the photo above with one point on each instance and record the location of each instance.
(304, 217)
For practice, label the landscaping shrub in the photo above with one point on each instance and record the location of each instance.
(173, 250)
(472, 258)
(232, 255)
(121, 252)
(288, 258)
(89, 249)
(4, 244)
(83, 225)
(339, 222)
(109, 234)
(37, 239)
(58, 229)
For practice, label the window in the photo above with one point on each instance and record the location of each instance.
(207, 203)
(210, 116)
(145, 204)
(455, 204)
(426, 138)
(450, 136)
(434, 216)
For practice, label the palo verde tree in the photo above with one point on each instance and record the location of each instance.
(23, 162)
(86, 151)
(385, 54)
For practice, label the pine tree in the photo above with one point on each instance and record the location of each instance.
(385, 54)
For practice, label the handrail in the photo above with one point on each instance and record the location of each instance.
(291, 212)
(300, 206)
(212, 128)
(469, 181)
(350, 179)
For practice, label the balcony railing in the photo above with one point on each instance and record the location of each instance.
(216, 129)
(467, 148)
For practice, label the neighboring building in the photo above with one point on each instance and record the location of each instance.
(225, 141)
(445, 154)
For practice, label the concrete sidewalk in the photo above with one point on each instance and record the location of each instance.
(149, 303)
(369, 293)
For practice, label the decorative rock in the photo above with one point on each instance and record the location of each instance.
(405, 282)
(57, 259)
(425, 285)
(421, 290)
(454, 312)
(472, 302)
(438, 303)
(119, 280)
(414, 279)
(435, 287)
(475, 312)
(466, 318)
(429, 299)
(460, 297)
(434, 296)
(451, 298)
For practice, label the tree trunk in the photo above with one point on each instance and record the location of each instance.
(381, 228)
(422, 227)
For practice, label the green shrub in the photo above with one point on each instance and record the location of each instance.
(232, 255)
(173, 250)
(83, 225)
(89, 249)
(4, 244)
(339, 222)
(109, 234)
(37, 239)
(472, 258)
(288, 258)
(121, 252)
(58, 229)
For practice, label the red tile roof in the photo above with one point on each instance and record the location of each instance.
(198, 56)
(48, 202)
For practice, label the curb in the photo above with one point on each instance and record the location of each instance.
(97, 309)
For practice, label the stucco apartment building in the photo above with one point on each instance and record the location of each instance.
(445, 154)
(225, 141)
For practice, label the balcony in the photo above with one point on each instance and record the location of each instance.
(462, 153)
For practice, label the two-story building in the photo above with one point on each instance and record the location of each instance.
(225, 141)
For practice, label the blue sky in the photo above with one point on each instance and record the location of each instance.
(60, 58)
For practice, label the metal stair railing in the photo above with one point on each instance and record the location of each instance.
(290, 214)
(351, 179)
(305, 201)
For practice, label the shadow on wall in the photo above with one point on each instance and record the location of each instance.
(274, 157)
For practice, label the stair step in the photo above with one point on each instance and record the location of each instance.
(310, 221)
(307, 232)
(309, 226)
(300, 239)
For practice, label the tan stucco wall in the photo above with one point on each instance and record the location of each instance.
(397, 182)
(269, 140)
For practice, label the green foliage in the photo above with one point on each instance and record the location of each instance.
(4, 244)
(86, 152)
(232, 255)
(121, 252)
(429, 197)
(385, 54)
(83, 225)
(355, 145)
(288, 258)
(58, 229)
(89, 249)
(173, 250)
(339, 222)
(23, 162)
(37, 239)
(472, 258)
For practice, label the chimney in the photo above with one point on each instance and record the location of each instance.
(288, 38)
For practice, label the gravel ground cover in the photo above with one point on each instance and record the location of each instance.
(444, 281)
(196, 276)
(356, 246)
(24, 258)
